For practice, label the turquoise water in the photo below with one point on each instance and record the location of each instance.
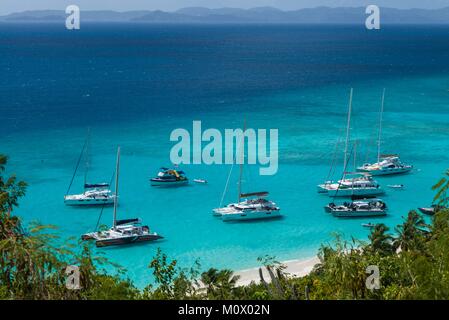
(132, 85)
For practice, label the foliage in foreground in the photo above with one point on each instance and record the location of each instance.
(413, 264)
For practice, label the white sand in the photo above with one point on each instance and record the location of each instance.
(297, 268)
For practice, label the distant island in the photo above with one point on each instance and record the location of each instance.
(199, 15)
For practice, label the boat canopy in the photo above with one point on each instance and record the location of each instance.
(96, 185)
(127, 221)
(254, 194)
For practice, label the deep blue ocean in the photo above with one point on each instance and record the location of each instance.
(132, 84)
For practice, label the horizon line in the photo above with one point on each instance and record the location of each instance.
(219, 8)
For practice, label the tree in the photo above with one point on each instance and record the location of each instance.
(411, 233)
(381, 242)
(11, 190)
(220, 284)
(441, 197)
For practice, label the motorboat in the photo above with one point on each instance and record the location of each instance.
(169, 177)
(388, 165)
(126, 231)
(360, 208)
(430, 211)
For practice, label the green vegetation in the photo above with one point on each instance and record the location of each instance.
(413, 264)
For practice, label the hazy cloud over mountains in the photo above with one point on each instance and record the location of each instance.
(235, 15)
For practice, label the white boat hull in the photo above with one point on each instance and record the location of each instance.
(76, 201)
(251, 215)
(168, 183)
(386, 171)
(358, 214)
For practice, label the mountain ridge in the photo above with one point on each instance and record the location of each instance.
(319, 15)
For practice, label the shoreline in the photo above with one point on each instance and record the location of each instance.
(296, 267)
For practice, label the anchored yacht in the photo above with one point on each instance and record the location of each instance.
(386, 164)
(94, 193)
(249, 206)
(255, 207)
(169, 177)
(355, 209)
(361, 185)
(123, 231)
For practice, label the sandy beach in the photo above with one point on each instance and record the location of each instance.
(298, 268)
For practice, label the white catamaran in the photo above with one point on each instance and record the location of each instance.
(351, 184)
(94, 193)
(254, 206)
(386, 164)
(123, 231)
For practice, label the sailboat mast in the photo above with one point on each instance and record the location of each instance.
(380, 126)
(242, 158)
(348, 128)
(114, 222)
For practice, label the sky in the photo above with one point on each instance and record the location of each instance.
(8, 6)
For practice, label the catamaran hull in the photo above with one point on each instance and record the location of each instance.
(156, 183)
(245, 216)
(355, 192)
(127, 240)
(89, 202)
(358, 214)
(385, 172)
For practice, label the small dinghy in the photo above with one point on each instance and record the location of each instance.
(396, 186)
(430, 211)
(368, 225)
(200, 181)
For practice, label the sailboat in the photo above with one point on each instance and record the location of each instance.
(94, 193)
(249, 206)
(351, 184)
(387, 164)
(126, 231)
